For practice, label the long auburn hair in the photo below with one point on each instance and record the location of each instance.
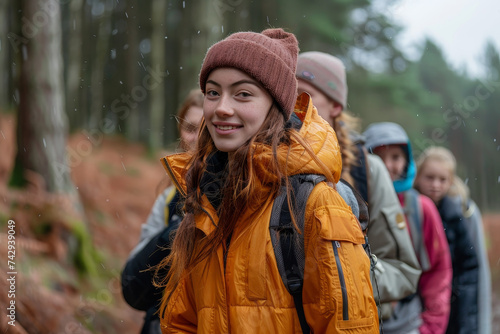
(236, 193)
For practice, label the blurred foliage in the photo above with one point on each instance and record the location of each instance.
(121, 64)
(85, 256)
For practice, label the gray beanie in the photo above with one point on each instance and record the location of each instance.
(325, 72)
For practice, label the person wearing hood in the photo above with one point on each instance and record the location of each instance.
(428, 310)
(256, 134)
(471, 293)
(397, 271)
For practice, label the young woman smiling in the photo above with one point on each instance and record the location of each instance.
(256, 134)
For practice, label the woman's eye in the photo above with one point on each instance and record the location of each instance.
(212, 93)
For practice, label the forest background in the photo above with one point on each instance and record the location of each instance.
(88, 91)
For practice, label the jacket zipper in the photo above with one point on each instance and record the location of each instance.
(345, 302)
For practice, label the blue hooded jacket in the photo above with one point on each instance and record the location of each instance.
(388, 133)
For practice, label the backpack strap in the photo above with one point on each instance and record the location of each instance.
(413, 211)
(287, 244)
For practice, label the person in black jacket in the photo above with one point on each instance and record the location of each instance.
(157, 233)
(463, 303)
(435, 178)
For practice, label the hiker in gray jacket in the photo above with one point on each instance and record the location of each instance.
(397, 270)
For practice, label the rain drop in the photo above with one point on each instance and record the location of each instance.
(44, 143)
(145, 46)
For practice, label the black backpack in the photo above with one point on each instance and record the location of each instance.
(288, 245)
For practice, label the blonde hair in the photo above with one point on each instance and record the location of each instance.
(443, 155)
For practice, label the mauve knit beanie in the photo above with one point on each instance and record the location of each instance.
(269, 57)
(325, 72)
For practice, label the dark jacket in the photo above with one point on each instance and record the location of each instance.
(464, 306)
(137, 276)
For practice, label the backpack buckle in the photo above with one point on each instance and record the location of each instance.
(294, 285)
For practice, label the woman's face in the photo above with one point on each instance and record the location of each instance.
(434, 180)
(235, 107)
(189, 127)
(394, 158)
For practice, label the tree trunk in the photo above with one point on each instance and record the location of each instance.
(4, 56)
(132, 121)
(42, 125)
(73, 65)
(157, 112)
(97, 77)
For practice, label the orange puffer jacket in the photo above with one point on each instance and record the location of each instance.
(246, 294)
